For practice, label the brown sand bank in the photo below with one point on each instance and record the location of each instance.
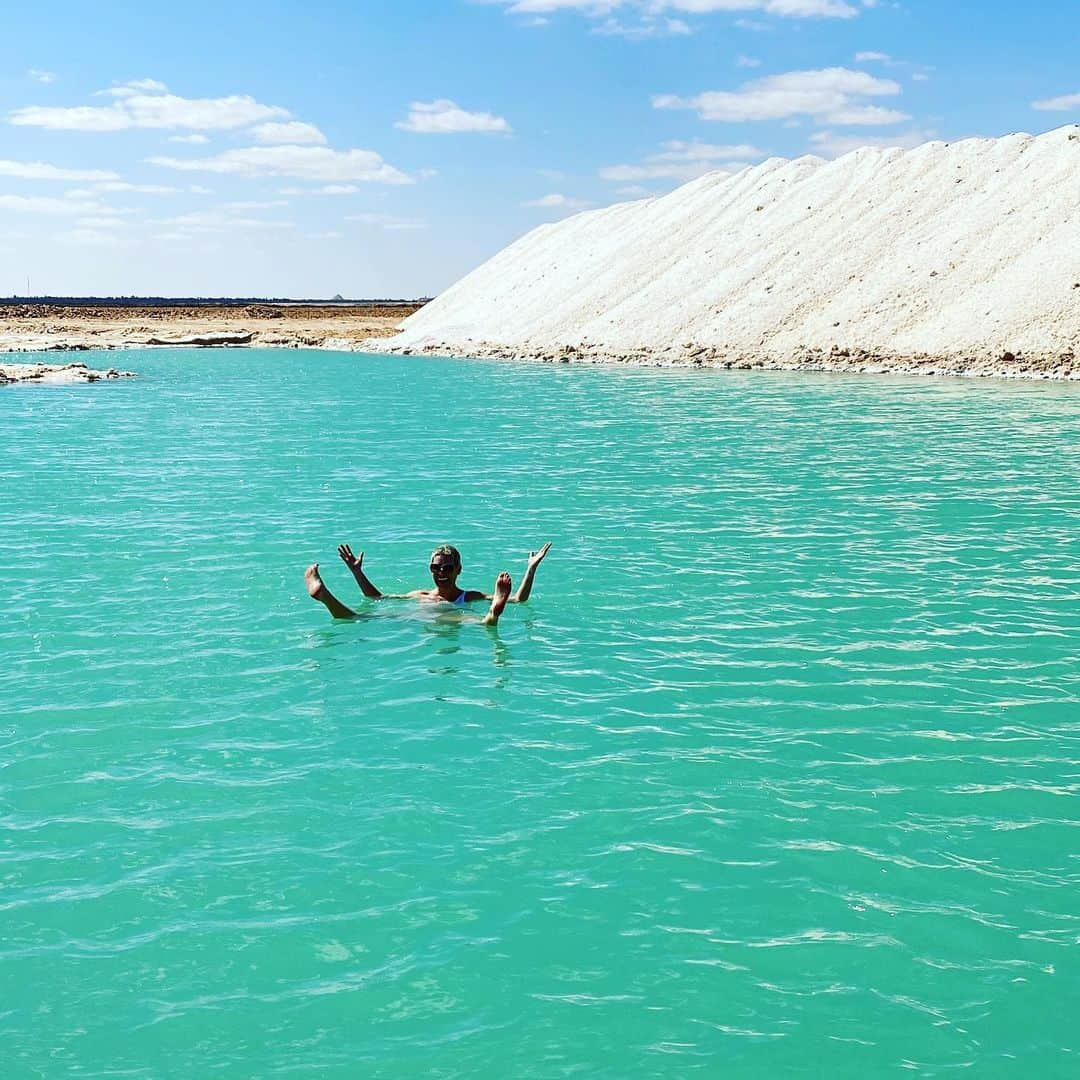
(60, 328)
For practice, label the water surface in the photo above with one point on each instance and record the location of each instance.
(776, 772)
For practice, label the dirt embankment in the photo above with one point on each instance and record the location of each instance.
(60, 328)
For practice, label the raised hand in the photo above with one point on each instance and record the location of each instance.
(353, 562)
(537, 557)
(525, 588)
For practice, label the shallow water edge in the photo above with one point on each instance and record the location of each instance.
(1044, 366)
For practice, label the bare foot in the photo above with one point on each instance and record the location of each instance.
(499, 600)
(315, 587)
(318, 591)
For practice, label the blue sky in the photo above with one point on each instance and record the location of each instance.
(385, 149)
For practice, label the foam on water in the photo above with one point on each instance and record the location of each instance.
(776, 771)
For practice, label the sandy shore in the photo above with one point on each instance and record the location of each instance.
(46, 328)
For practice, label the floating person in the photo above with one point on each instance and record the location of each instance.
(445, 568)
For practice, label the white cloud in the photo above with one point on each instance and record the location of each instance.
(747, 62)
(142, 189)
(301, 162)
(265, 204)
(830, 145)
(648, 27)
(145, 104)
(1058, 104)
(831, 96)
(684, 161)
(190, 140)
(101, 222)
(386, 221)
(331, 235)
(221, 219)
(135, 86)
(445, 117)
(38, 204)
(869, 57)
(557, 202)
(41, 76)
(39, 170)
(834, 9)
(289, 133)
(635, 191)
(337, 189)
(90, 238)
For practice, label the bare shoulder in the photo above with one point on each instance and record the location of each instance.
(473, 594)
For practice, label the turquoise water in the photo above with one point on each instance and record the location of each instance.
(775, 774)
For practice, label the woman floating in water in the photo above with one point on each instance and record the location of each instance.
(445, 568)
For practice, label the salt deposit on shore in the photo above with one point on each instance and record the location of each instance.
(57, 373)
(958, 258)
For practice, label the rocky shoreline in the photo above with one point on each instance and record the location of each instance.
(1059, 366)
(57, 373)
(44, 329)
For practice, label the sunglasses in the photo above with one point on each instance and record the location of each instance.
(439, 567)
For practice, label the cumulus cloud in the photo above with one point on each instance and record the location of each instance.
(556, 201)
(831, 96)
(300, 162)
(41, 76)
(445, 117)
(147, 104)
(39, 170)
(684, 161)
(190, 140)
(1058, 104)
(288, 133)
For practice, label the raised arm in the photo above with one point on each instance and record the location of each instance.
(355, 564)
(525, 588)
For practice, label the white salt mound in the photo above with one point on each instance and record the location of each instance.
(967, 249)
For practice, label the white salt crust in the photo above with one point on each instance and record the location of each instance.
(959, 258)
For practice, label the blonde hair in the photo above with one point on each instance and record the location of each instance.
(448, 549)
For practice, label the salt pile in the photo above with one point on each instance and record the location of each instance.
(957, 257)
